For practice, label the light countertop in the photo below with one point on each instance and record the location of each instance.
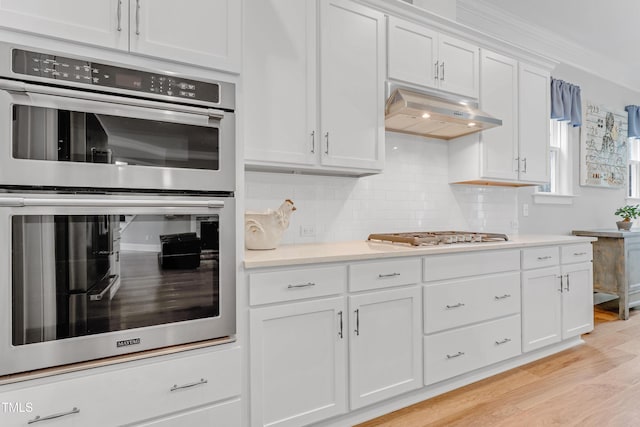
(313, 253)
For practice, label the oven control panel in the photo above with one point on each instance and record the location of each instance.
(60, 68)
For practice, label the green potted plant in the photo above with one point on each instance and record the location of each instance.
(627, 213)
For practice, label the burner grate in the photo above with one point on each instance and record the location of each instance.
(438, 237)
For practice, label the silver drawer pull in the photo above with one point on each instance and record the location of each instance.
(458, 305)
(301, 285)
(180, 387)
(453, 356)
(579, 253)
(384, 276)
(542, 258)
(505, 296)
(504, 341)
(38, 418)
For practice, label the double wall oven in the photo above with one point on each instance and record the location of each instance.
(117, 209)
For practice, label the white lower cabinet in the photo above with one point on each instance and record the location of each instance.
(298, 362)
(458, 351)
(557, 302)
(385, 353)
(181, 385)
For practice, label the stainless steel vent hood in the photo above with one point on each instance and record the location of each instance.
(416, 113)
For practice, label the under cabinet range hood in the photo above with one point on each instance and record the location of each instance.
(409, 111)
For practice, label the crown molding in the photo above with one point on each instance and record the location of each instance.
(503, 25)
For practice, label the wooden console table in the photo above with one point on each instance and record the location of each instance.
(616, 266)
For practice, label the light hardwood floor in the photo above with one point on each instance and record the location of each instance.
(594, 384)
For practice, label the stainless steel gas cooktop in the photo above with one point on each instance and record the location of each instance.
(439, 237)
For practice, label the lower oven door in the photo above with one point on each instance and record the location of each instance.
(74, 138)
(86, 278)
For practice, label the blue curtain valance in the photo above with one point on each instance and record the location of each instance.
(634, 120)
(566, 102)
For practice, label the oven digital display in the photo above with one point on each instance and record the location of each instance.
(128, 81)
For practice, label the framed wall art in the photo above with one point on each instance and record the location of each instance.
(603, 147)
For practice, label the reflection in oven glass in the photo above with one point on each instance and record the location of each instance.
(75, 275)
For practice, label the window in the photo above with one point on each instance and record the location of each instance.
(559, 165)
(634, 168)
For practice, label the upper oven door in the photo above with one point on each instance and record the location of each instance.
(65, 138)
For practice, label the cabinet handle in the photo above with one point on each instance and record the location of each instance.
(436, 73)
(542, 258)
(579, 253)
(524, 160)
(326, 138)
(442, 67)
(180, 387)
(340, 334)
(560, 277)
(517, 163)
(313, 141)
(119, 11)
(357, 330)
(384, 276)
(504, 341)
(453, 356)
(137, 17)
(505, 296)
(567, 287)
(38, 418)
(301, 285)
(458, 305)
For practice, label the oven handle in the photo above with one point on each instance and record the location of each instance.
(90, 203)
(16, 86)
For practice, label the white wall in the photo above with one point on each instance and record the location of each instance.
(592, 207)
(412, 194)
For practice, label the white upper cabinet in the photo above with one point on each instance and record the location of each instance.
(423, 57)
(314, 86)
(516, 153)
(279, 81)
(352, 40)
(533, 123)
(199, 32)
(97, 22)
(499, 97)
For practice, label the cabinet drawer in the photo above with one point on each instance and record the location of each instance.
(173, 385)
(455, 352)
(576, 253)
(383, 274)
(224, 414)
(540, 257)
(450, 266)
(461, 302)
(289, 285)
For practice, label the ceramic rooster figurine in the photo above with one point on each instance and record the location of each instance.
(264, 230)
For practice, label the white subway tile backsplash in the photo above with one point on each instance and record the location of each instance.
(412, 194)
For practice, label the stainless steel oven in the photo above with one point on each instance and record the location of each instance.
(89, 277)
(86, 123)
(117, 209)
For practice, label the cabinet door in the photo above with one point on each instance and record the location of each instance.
(458, 66)
(541, 308)
(279, 71)
(199, 32)
(385, 345)
(499, 97)
(577, 299)
(352, 74)
(96, 22)
(298, 362)
(412, 53)
(533, 124)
